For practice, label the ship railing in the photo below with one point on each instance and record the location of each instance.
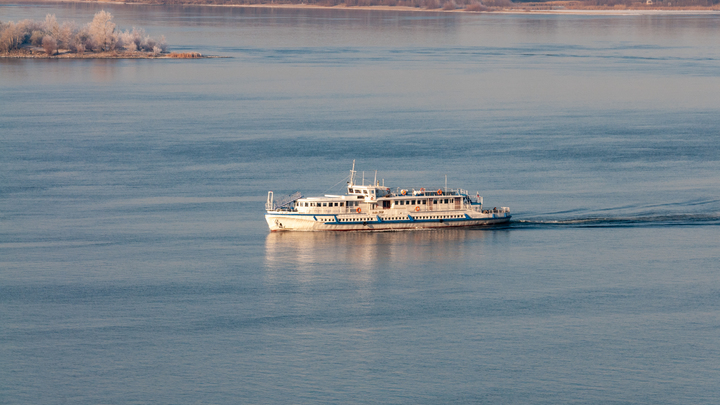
(285, 203)
(430, 192)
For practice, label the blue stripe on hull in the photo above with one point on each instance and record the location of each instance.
(418, 223)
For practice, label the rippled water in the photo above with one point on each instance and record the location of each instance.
(136, 266)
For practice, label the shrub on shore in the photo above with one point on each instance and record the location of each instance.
(99, 35)
(49, 44)
(476, 7)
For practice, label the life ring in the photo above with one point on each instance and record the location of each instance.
(417, 209)
(358, 210)
(403, 192)
(422, 190)
(439, 192)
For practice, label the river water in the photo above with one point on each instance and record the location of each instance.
(136, 266)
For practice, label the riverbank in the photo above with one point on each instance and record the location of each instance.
(553, 7)
(39, 53)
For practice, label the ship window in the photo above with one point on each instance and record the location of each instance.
(424, 202)
(364, 191)
(446, 201)
(324, 204)
(341, 204)
(413, 202)
(336, 204)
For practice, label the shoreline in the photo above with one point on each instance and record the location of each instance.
(26, 53)
(528, 9)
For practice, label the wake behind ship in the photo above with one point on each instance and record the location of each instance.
(378, 208)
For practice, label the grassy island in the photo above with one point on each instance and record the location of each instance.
(98, 39)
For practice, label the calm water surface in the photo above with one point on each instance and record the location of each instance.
(136, 266)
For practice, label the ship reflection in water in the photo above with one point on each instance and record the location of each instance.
(316, 254)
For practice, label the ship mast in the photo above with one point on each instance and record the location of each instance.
(352, 175)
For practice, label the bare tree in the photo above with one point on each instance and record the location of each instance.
(6, 42)
(102, 31)
(51, 26)
(66, 33)
(12, 36)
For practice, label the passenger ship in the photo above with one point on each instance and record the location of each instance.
(378, 208)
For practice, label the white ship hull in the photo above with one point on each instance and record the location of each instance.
(289, 221)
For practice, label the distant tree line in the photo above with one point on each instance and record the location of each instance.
(661, 3)
(469, 5)
(99, 35)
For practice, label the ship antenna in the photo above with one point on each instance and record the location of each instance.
(375, 183)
